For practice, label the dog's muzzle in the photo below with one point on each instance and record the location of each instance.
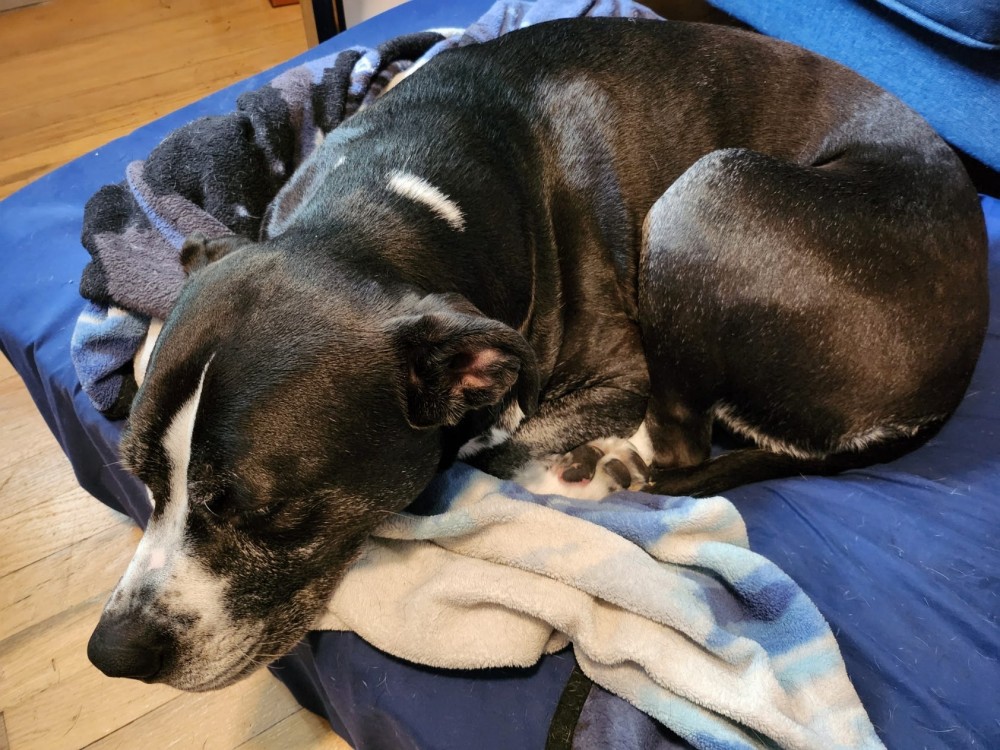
(130, 646)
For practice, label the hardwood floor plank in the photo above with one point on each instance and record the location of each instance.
(38, 659)
(80, 709)
(61, 23)
(150, 81)
(24, 434)
(97, 72)
(44, 474)
(82, 94)
(300, 730)
(50, 523)
(224, 711)
(65, 579)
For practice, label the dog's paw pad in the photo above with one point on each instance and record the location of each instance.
(579, 465)
(618, 472)
(620, 466)
(590, 472)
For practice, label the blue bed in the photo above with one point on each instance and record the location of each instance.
(902, 559)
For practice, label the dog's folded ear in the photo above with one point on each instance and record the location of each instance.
(199, 251)
(458, 362)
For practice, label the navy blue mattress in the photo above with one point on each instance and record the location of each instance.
(903, 559)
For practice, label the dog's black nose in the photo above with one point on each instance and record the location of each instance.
(128, 646)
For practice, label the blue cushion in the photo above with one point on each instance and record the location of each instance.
(900, 558)
(957, 88)
(972, 22)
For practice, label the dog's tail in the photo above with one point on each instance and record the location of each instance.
(749, 465)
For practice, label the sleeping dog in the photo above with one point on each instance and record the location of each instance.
(561, 256)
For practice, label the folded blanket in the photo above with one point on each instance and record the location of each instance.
(663, 601)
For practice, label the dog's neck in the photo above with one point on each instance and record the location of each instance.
(420, 244)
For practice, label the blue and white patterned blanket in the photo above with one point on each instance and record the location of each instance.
(662, 600)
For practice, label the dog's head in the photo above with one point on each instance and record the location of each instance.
(290, 405)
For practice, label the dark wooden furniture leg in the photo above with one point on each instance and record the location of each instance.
(322, 19)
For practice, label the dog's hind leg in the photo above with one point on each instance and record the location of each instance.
(792, 302)
(749, 465)
(679, 323)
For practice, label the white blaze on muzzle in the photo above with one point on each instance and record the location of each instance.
(168, 589)
(161, 562)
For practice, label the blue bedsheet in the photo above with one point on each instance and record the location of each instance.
(902, 559)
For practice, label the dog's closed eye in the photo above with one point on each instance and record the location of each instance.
(231, 502)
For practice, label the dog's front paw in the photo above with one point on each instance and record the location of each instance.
(590, 472)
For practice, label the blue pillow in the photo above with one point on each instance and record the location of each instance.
(972, 22)
(956, 87)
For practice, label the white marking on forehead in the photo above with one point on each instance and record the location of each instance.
(420, 190)
(179, 584)
(164, 538)
(141, 361)
(177, 443)
(169, 530)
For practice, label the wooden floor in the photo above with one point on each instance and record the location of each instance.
(73, 75)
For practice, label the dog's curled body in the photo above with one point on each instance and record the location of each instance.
(592, 236)
(810, 235)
